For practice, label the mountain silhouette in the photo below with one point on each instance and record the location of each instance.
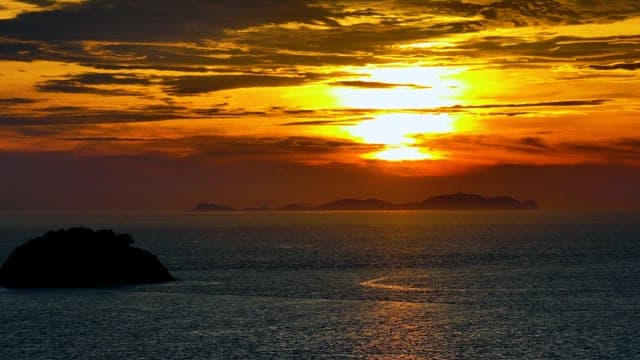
(212, 207)
(471, 202)
(458, 201)
(357, 204)
(295, 207)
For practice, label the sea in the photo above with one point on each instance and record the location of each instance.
(343, 285)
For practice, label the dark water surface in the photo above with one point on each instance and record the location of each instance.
(361, 285)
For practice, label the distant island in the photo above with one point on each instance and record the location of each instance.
(473, 202)
(459, 201)
(212, 207)
(80, 257)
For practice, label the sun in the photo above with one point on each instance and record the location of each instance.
(401, 153)
(399, 128)
(405, 103)
(398, 132)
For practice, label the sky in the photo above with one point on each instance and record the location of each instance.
(161, 104)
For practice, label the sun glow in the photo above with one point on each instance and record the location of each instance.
(398, 132)
(401, 153)
(398, 129)
(395, 108)
(408, 90)
(400, 88)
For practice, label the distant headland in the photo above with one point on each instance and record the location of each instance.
(458, 201)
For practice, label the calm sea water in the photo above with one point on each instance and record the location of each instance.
(354, 285)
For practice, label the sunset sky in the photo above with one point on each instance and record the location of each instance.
(160, 104)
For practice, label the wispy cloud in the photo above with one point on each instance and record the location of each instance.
(15, 101)
(502, 149)
(94, 83)
(375, 84)
(68, 116)
(318, 123)
(617, 66)
(560, 103)
(109, 139)
(209, 83)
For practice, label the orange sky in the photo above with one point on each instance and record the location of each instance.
(163, 104)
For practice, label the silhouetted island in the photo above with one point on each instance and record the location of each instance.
(459, 201)
(464, 201)
(212, 207)
(81, 257)
(294, 207)
(357, 204)
(257, 208)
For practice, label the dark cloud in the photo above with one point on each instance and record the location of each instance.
(183, 58)
(603, 9)
(86, 116)
(621, 150)
(155, 20)
(601, 76)
(300, 111)
(397, 22)
(503, 12)
(87, 82)
(130, 28)
(186, 85)
(509, 113)
(622, 66)
(337, 45)
(552, 48)
(71, 87)
(218, 112)
(15, 101)
(523, 13)
(375, 84)
(19, 50)
(535, 142)
(161, 54)
(224, 148)
(167, 108)
(109, 139)
(41, 3)
(317, 123)
(480, 144)
(38, 130)
(290, 147)
(562, 103)
(629, 143)
(109, 79)
(141, 66)
(617, 150)
(102, 79)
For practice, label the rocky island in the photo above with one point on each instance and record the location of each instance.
(462, 201)
(80, 257)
